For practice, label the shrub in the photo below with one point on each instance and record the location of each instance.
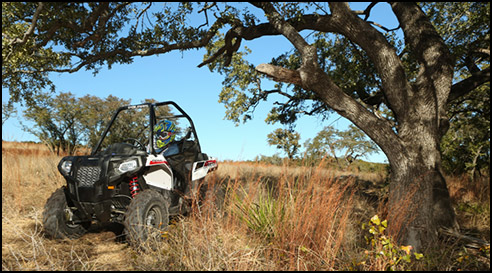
(384, 254)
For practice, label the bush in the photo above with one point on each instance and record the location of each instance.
(384, 254)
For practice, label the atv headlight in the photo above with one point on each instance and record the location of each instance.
(128, 166)
(66, 167)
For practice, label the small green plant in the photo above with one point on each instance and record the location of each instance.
(473, 208)
(262, 216)
(383, 249)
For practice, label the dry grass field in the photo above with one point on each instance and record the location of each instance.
(255, 217)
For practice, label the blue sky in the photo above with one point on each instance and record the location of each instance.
(175, 76)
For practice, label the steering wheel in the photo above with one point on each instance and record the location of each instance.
(136, 143)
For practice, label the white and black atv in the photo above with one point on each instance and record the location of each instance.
(125, 180)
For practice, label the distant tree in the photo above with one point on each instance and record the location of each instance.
(285, 140)
(56, 121)
(355, 144)
(351, 144)
(322, 145)
(64, 122)
(274, 159)
(8, 111)
(96, 114)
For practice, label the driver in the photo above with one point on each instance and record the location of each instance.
(164, 135)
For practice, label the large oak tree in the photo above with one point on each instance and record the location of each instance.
(396, 91)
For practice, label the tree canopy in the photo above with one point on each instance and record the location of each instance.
(350, 144)
(65, 122)
(285, 140)
(38, 39)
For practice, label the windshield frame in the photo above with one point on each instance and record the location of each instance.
(151, 107)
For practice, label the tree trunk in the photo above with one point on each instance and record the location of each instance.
(419, 202)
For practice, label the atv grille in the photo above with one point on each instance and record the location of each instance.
(88, 175)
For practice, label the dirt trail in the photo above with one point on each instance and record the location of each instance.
(24, 247)
(105, 252)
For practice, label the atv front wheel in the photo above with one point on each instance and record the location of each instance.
(55, 218)
(146, 217)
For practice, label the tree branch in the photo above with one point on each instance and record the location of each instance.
(387, 63)
(204, 10)
(382, 27)
(311, 77)
(102, 14)
(467, 85)
(367, 11)
(30, 31)
(429, 48)
(90, 59)
(229, 48)
(268, 92)
(310, 21)
(286, 29)
(280, 74)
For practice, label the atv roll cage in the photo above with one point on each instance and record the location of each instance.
(152, 121)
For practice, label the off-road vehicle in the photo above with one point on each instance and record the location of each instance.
(126, 180)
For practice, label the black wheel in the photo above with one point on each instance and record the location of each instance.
(56, 217)
(146, 217)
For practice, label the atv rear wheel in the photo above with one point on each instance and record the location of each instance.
(55, 218)
(146, 218)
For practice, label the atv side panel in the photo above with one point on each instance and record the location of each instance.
(159, 173)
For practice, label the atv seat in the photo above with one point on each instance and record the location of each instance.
(182, 161)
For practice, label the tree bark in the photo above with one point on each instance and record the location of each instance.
(419, 202)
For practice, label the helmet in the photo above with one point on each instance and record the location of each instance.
(164, 132)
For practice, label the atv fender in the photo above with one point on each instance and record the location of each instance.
(160, 174)
(202, 168)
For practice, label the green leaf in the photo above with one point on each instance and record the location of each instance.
(375, 220)
(372, 230)
(381, 229)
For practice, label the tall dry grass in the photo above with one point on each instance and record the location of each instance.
(300, 214)
(29, 176)
(254, 217)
